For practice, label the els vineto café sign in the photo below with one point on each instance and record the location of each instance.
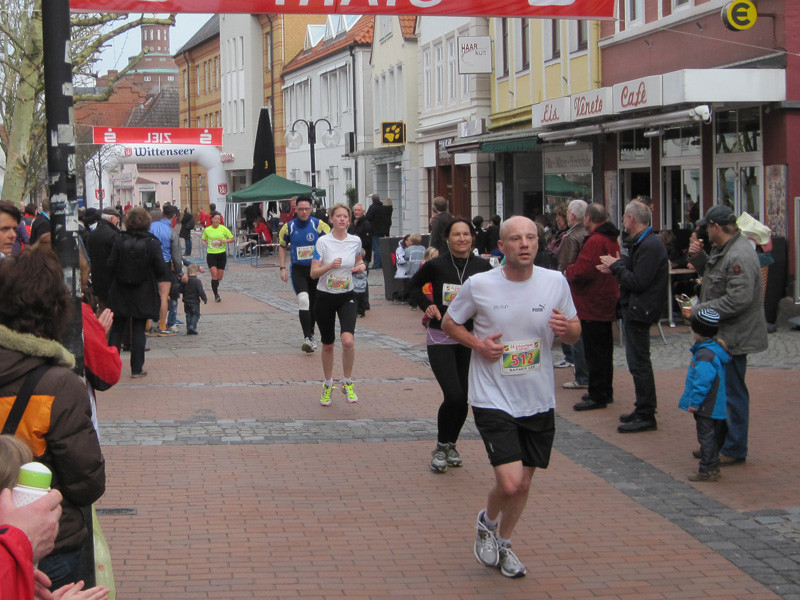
(587, 9)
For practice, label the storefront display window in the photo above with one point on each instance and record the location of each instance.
(567, 176)
(633, 146)
(738, 130)
(739, 187)
(681, 142)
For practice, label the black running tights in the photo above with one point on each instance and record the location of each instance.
(450, 365)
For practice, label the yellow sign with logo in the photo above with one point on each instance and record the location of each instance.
(393, 132)
(739, 15)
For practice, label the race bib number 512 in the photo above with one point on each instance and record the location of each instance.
(521, 357)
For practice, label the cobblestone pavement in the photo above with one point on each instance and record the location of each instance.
(231, 399)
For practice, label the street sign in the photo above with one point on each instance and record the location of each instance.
(393, 132)
(739, 15)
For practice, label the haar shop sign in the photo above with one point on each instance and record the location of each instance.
(573, 9)
(594, 103)
(552, 112)
(638, 93)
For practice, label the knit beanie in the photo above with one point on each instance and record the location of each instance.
(705, 322)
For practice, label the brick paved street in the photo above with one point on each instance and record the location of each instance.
(228, 480)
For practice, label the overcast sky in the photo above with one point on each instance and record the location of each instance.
(129, 44)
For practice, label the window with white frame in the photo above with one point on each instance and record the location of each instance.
(241, 50)
(391, 92)
(523, 47)
(552, 39)
(384, 26)
(426, 78)
(268, 44)
(578, 36)
(681, 3)
(634, 14)
(452, 71)
(243, 122)
(344, 88)
(438, 53)
(197, 76)
(400, 107)
(504, 49)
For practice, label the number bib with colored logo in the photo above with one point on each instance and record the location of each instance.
(338, 283)
(521, 357)
(216, 243)
(449, 293)
(305, 252)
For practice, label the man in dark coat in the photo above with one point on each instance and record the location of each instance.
(376, 215)
(41, 224)
(643, 275)
(595, 295)
(439, 221)
(187, 226)
(99, 244)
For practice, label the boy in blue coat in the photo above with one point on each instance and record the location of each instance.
(704, 394)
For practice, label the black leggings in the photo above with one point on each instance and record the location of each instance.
(450, 365)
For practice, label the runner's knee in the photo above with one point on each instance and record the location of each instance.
(303, 301)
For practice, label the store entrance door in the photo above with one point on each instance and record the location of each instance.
(680, 198)
(633, 182)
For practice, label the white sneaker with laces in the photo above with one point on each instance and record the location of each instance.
(486, 549)
(510, 565)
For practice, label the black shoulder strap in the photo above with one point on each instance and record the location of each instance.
(23, 397)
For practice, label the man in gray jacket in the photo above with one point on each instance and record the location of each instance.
(733, 287)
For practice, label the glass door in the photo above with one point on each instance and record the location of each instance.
(681, 198)
(739, 186)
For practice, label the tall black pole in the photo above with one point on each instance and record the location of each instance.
(61, 159)
(312, 140)
(63, 193)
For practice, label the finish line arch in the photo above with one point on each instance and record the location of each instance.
(190, 145)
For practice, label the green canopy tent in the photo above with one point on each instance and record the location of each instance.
(272, 188)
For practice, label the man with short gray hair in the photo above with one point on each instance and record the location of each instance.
(571, 244)
(642, 277)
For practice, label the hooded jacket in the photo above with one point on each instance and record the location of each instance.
(595, 294)
(99, 244)
(705, 381)
(57, 426)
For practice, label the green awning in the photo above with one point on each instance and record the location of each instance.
(518, 145)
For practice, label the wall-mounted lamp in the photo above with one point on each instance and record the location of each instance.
(571, 143)
(653, 132)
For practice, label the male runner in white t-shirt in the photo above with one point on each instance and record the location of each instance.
(517, 311)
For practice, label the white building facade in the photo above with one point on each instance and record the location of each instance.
(448, 103)
(329, 81)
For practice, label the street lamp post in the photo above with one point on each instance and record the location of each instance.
(329, 139)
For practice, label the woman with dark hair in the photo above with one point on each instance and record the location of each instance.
(56, 423)
(449, 360)
(136, 264)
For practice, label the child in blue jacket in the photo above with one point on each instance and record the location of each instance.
(704, 394)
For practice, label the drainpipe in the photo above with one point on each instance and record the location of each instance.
(189, 111)
(272, 74)
(355, 121)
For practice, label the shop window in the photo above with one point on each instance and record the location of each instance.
(680, 142)
(738, 130)
(561, 188)
(633, 146)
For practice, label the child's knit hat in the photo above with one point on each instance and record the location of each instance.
(706, 322)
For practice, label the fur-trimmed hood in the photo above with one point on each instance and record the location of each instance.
(23, 352)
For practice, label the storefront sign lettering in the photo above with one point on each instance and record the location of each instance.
(552, 112)
(639, 93)
(593, 103)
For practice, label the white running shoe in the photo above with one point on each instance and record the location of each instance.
(308, 345)
(486, 548)
(510, 565)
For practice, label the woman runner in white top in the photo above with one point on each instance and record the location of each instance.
(336, 257)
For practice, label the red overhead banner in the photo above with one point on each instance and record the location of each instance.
(573, 9)
(203, 136)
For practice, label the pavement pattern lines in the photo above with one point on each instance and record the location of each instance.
(763, 544)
